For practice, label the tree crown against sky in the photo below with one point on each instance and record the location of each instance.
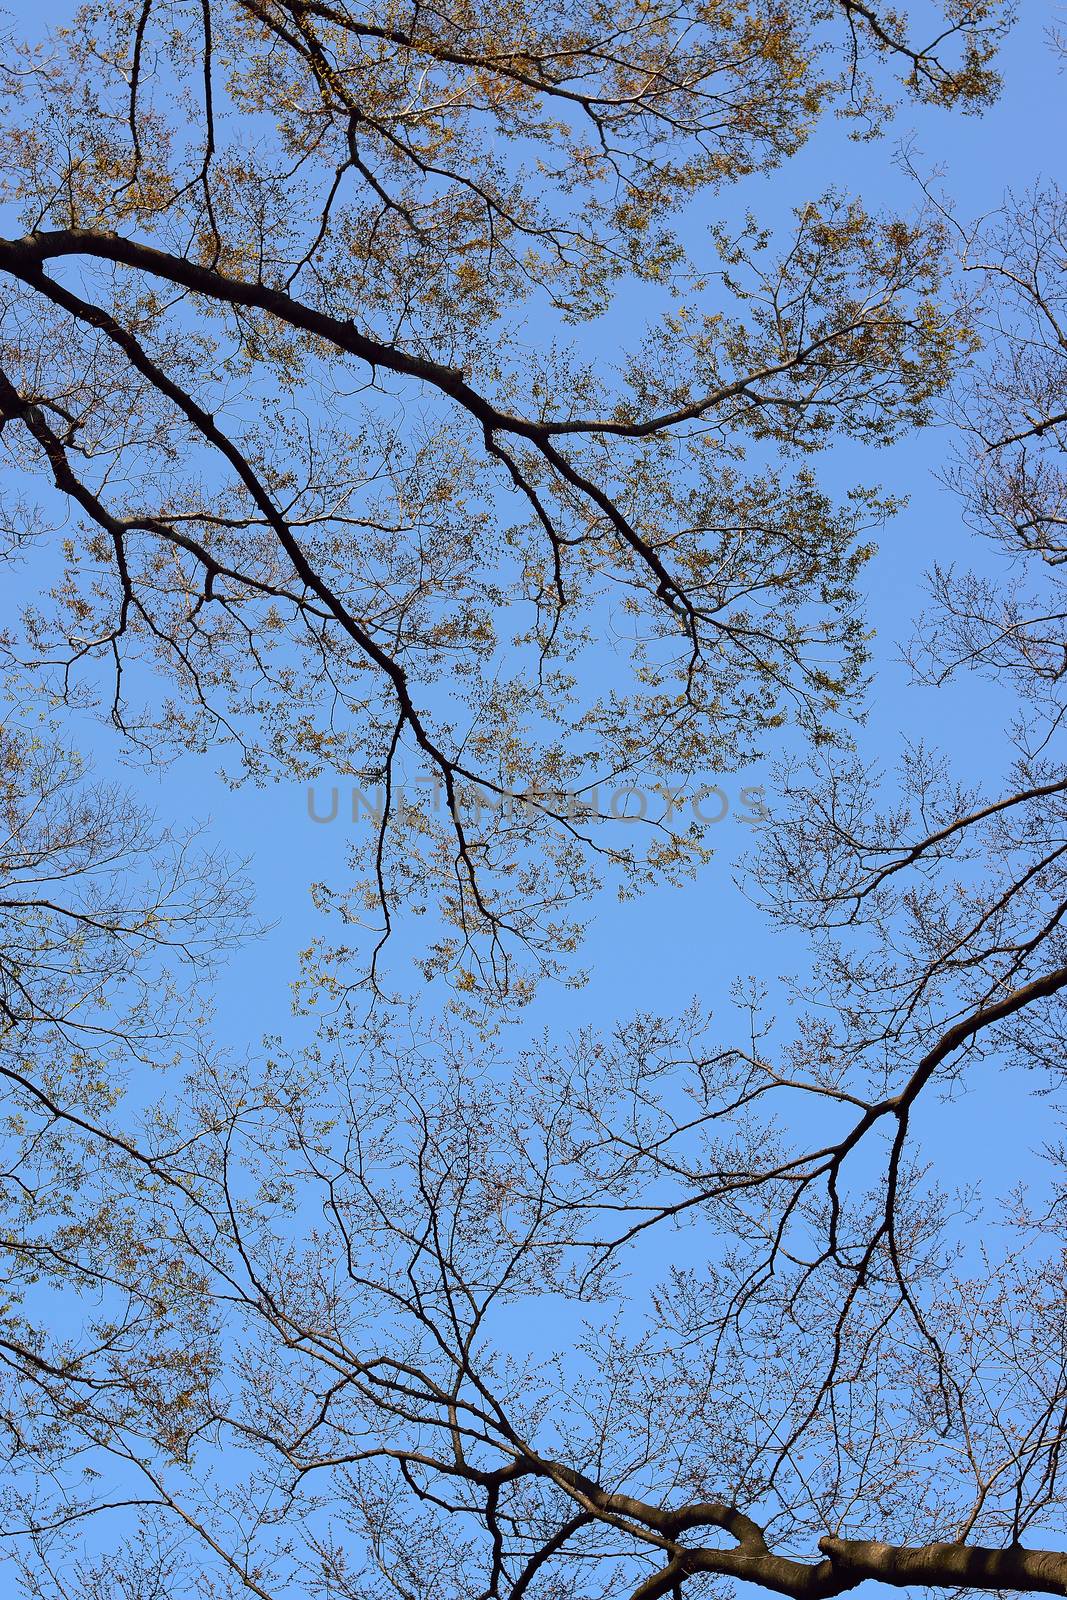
(646, 1313)
(269, 300)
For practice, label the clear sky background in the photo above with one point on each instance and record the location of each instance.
(656, 952)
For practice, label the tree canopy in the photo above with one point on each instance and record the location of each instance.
(269, 332)
(412, 1310)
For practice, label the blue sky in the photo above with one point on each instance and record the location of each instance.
(656, 952)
